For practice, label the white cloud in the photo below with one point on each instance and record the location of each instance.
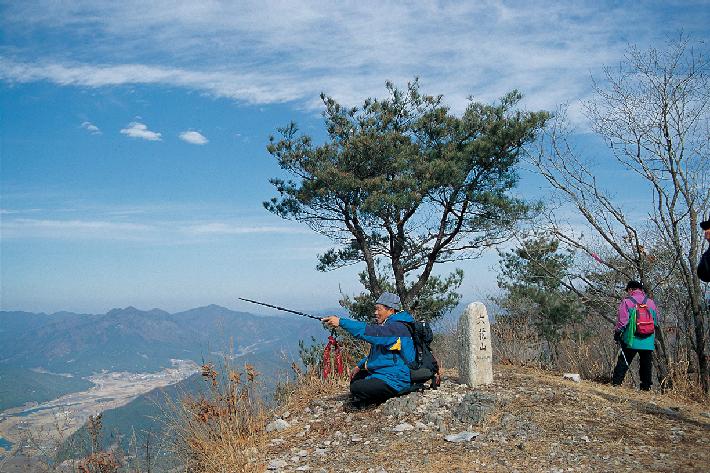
(139, 130)
(73, 229)
(91, 128)
(137, 225)
(222, 228)
(247, 87)
(194, 137)
(273, 51)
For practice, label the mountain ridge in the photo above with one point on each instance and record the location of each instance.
(133, 340)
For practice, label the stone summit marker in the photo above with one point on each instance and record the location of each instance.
(475, 350)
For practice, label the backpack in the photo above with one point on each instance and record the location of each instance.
(642, 318)
(424, 367)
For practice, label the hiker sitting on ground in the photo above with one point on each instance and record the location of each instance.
(384, 372)
(635, 336)
(704, 265)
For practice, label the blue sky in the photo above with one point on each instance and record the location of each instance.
(133, 133)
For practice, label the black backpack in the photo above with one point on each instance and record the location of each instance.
(424, 368)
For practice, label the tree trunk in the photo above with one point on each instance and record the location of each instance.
(698, 319)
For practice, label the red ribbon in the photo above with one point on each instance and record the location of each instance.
(332, 343)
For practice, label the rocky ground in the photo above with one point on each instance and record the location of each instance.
(527, 420)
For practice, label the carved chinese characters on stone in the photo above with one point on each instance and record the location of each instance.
(475, 351)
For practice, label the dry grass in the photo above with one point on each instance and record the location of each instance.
(682, 384)
(306, 386)
(593, 356)
(621, 425)
(99, 462)
(594, 426)
(222, 431)
(566, 427)
(517, 342)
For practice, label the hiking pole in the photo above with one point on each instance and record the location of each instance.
(332, 340)
(621, 350)
(628, 367)
(302, 314)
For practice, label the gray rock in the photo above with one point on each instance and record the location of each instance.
(277, 425)
(431, 417)
(474, 408)
(653, 408)
(277, 464)
(440, 424)
(462, 436)
(573, 377)
(508, 418)
(402, 406)
(403, 427)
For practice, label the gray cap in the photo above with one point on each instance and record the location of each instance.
(389, 300)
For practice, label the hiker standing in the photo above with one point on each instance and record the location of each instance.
(383, 373)
(634, 331)
(704, 265)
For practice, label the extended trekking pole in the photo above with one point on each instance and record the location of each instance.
(302, 314)
(623, 355)
(332, 340)
(621, 350)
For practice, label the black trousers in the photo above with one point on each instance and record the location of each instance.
(370, 390)
(645, 366)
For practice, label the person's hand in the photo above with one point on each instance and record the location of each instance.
(354, 372)
(617, 335)
(331, 322)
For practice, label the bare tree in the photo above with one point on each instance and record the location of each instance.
(653, 112)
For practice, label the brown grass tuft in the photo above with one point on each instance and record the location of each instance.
(223, 430)
(683, 384)
(295, 395)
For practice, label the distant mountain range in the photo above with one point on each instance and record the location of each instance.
(52, 352)
(135, 340)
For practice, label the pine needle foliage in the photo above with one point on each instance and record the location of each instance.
(404, 182)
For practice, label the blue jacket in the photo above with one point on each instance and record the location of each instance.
(390, 351)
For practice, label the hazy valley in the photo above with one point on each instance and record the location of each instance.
(56, 370)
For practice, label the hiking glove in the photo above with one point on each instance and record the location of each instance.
(617, 335)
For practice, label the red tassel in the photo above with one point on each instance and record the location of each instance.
(338, 358)
(326, 357)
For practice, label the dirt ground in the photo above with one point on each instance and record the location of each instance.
(543, 423)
